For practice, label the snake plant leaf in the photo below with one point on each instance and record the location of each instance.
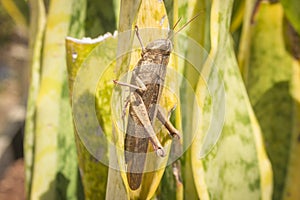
(270, 72)
(291, 10)
(291, 39)
(237, 22)
(68, 166)
(99, 17)
(244, 44)
(238, 12)
(292, 180)
(92, 162)
(37, 26)
(193, 50)
(18, 10)
(268, 84)
(117, 7)
(55, 171)
(237, 166)
(128, 14)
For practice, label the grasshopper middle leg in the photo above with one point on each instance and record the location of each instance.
(166, 122)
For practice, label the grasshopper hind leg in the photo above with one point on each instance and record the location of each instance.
(141, 113)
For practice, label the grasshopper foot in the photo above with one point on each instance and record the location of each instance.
(175, 134)
(160, 152)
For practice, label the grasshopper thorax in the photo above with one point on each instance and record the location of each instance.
(162, 45)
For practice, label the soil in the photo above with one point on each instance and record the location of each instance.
(13, 181)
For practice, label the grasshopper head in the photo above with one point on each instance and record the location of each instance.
(164, 45)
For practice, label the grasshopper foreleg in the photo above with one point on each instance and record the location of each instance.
(140, 85)
(166, 122)
(141, 113)
(128, 85)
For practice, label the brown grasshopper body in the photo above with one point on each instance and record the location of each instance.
(145, 90)
(151, 69)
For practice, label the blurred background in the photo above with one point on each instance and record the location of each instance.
(14, 77)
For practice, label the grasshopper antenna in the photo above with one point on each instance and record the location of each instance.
(176, 23)
(138, 36)
(193, 18)
(170, 32)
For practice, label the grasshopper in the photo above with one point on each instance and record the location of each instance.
(146, 87)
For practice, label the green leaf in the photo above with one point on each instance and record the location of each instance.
(37, 27)
(292, 180)
(291, 39)
(244, 44)
(80, 53)
(55, 172)
(268, 83)
(237, 166)
(238, 13)
(18, 10)
(194, 48)
(99, 17)
(291, 10)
